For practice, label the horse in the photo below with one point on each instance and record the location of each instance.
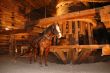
(100, 34)
(44, 41)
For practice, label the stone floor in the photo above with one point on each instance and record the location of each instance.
(8, 65)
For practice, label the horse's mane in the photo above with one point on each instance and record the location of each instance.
(46, 30)
(41, 35)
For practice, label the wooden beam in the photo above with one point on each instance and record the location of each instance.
(31, 3)
(70, 27)
(64, 27)
(61, 54)
(38, 29)
(74, 15)
(38, 3)
(14, 31)
(76, 33)
(78, 46)
(94, 0)
(89, 33)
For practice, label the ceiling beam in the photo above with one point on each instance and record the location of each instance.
(14, 31)
(38, 3)
(31, 3)
(74, 15)
(94, 0)
(37, 29)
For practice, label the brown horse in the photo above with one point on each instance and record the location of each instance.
(100, 33)
(43, 42)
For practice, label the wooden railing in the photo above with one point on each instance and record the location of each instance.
(78, 46)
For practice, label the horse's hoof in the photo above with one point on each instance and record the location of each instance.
(46, 64)
(35, 60)
(41, 66)
(30, 62)
(65, 62)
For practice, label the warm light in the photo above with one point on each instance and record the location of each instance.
(7, 29)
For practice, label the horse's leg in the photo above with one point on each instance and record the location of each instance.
(46, 55)
(41, 54)
(30, 56)
(35, 54)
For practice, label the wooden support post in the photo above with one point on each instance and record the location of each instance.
(70, 27)
(67, 38)
(73, 15)
(60, 53)
(10, 47)
(61, 26)
(75, 51)
(89, 33)
(82, 28)
(76, 33)
(64, 27)
(12, 44)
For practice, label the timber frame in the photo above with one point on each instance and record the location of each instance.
(83, 16)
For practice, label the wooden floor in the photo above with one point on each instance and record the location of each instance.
(7, 65)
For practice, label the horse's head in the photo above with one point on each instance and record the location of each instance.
(56, 30)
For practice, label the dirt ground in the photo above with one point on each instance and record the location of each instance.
(8, 65)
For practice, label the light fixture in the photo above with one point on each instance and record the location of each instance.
(7, 28)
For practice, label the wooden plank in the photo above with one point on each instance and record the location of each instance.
(78, 46)
(64, 28)
(89, 33)
(70, 27)
(105, 14)
(31, 3)
(37, 29)
(81, 28)
(94, 0)
(76, 33)
(60, 53)
(65, 48)
(14, 31)
(73, 15)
